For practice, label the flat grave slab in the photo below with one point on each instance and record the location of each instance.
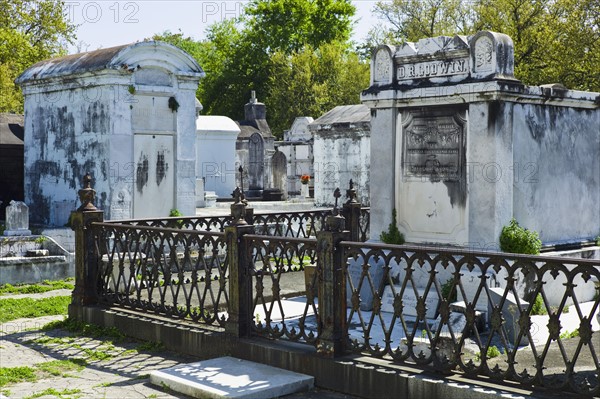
(228, 377)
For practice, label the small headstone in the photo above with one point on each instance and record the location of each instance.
(355, 269)
(17, 219)
(480, 317)
(210, 199)
(510, 314)
(409, 301)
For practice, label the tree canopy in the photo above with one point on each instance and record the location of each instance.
(30, 31)
(295, 54)
(555, 41)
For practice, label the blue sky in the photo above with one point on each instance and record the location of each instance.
(106, 23)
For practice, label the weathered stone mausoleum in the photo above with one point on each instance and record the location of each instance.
(255, 148)
(459, 146)
(125, 114)
(342, 150)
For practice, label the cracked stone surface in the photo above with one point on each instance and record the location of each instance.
(122, 375)
(114, 368)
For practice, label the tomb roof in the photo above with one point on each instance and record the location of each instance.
(126, 58)
(216, 123)
(343, 115)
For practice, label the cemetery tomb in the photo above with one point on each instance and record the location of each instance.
(459, 146)
(126, 115)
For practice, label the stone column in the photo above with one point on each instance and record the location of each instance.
(383, 168)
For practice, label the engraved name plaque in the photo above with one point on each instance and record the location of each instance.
(434, 147)
(433, 69)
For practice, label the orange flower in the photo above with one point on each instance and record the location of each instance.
(304, 179)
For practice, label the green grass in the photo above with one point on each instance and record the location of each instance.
(94, 355)
(11, 309)
(569, 335)
(62, 367)
(492, 352)
(85, 330)
(11, 375)
(150, 346)
(57, 368)
(37, 288)
(64, 394)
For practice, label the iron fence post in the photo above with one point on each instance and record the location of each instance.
(240, 280)
(332, 323)
(86, 254)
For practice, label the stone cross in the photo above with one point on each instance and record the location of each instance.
(17, 219)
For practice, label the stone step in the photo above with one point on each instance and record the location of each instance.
(228, 377)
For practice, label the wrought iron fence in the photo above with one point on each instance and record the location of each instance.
(284, 303)
(525, 319)
(466, 312)
(297, 224)
(203, 223)
(173, 272)
(529, 320)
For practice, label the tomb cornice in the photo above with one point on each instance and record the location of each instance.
(479, 92)
(86, 80)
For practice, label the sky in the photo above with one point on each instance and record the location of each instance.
(106, 23)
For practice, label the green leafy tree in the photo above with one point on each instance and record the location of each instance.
(412, 20)
(312, 81)
(554, 42)
(270, 39)
(289, 25)
(30, 31)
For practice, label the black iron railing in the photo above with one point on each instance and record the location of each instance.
(461, 311)
(298, 224)
(284, 281)
(301, 276)
(176, 273)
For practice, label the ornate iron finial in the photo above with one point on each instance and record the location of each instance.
(336, 194)
(335, 222)
(238, 196)
(238, 208)
(351, 194)
(87, 194)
